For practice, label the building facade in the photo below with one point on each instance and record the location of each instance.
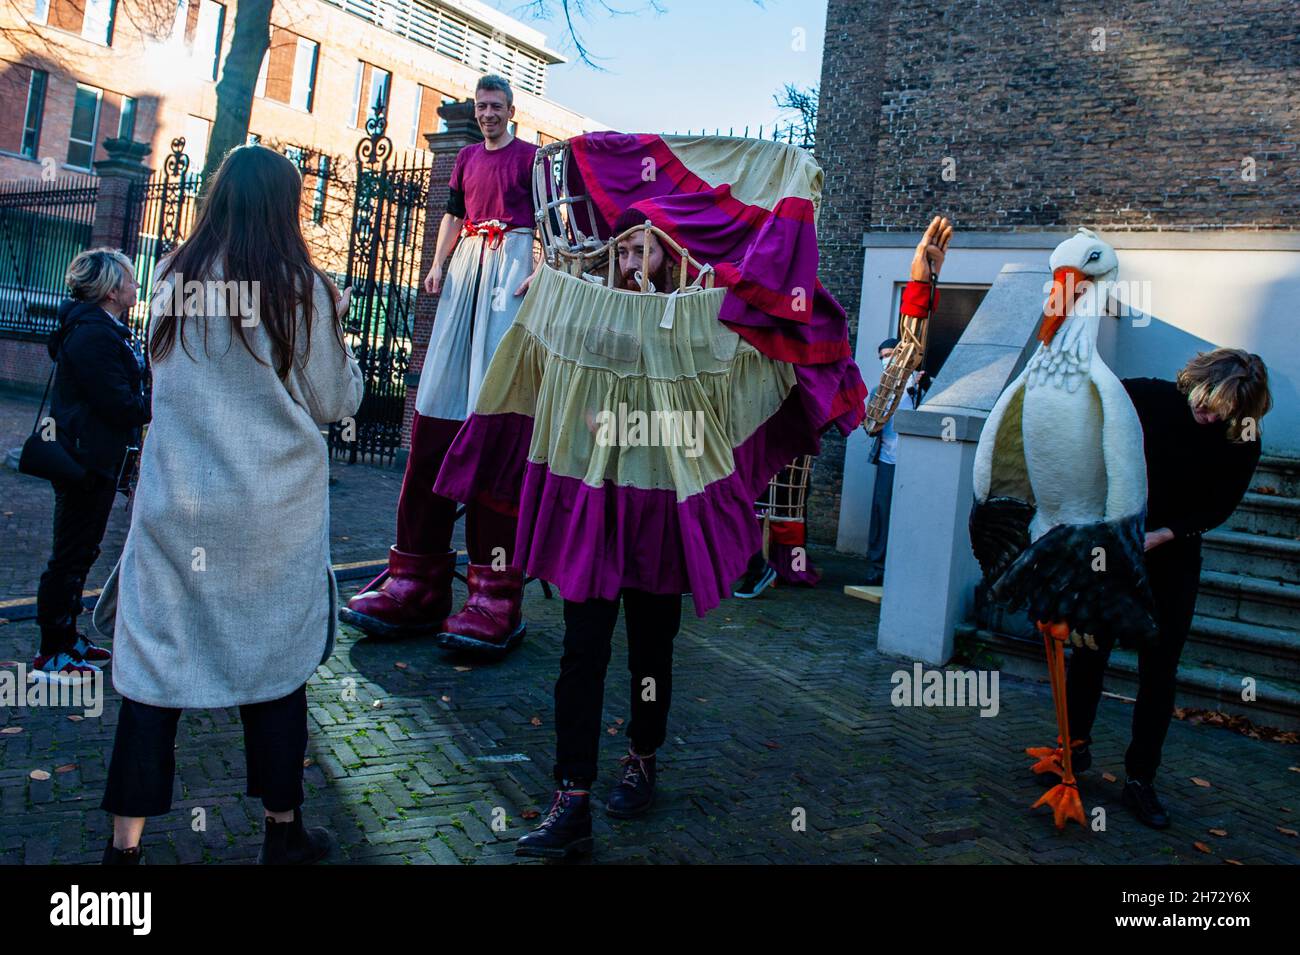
(1169, 126)
(76, 72)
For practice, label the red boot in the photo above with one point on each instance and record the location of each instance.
(491, 622)
(410, 599)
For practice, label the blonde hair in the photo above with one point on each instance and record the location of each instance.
(1230, 382)
(96, 274)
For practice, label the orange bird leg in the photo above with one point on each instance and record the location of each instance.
(1063, 797)
(1049, 758)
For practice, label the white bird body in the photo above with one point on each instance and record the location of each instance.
(1064, 435)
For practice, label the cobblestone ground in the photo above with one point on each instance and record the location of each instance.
(782, 711)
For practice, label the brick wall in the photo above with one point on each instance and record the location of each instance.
(24, 365)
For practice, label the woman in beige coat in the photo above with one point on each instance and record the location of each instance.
(224, 595)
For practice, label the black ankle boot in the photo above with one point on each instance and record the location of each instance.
(1080, 760)
(1141, 798)
(566, 830)
(122, 856)
(635, 793)
(291, 843)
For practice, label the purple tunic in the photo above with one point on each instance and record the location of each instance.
(497, 183)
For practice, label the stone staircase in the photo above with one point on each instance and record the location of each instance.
(1247, 620)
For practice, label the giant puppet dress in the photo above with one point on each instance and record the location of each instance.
(743, 377)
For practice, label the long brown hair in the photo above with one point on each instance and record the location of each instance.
(1230, 382)
(249, 224)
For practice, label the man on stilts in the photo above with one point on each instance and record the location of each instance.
(489, 222)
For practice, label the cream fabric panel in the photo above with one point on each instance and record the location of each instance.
(760, 172)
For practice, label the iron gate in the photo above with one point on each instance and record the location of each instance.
(383, 264)
(160, 211)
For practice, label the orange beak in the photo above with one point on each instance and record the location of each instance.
(1068, 284)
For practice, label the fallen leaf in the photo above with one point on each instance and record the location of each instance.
(9, 513)
(1203, 783)
(529, 814)
(1203, 847)
(1232, 862)
(345, 538)
(307, 762)
(11, 730)
(1218, 832)
(400, 665)
(701, 699)
(75, 718)
(1287, 832)
(463, 669)
(612, 731)
(39, 775)
(446, 699)
(377, 705)
(1109, 777)
(1294, 769)
(618, 720)
(536, 721)
(1284, 808)
(771, 745)
(65, 768)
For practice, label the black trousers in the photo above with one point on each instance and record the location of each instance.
(652, 622)
(81, 513)
(143, 764)
(1175, 572)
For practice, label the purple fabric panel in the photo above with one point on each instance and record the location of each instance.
(488, 456)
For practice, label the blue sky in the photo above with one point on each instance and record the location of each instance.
(711, 62)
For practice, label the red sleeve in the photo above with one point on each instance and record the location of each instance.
(916, 299)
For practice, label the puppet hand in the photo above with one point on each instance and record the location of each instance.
(932, 248)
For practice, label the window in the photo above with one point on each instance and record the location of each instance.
(85, 126)
(196, 141)
(369, 93)
(92, 19)
(210, 24)
(22, 107)
(126, 119)
(289, 70)
(426, 119)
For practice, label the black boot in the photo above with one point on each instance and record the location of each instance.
(291, 843)
(566, 830)
(122, 856)
(635, 793)
(1141, 798)
(1081, 759)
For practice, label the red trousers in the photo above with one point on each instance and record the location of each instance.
(425, 520)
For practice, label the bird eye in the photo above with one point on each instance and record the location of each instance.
(1094, 255)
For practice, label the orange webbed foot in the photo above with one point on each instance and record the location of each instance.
(1066, 804)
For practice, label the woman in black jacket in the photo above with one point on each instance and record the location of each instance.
(1202, 443)
(98, 403)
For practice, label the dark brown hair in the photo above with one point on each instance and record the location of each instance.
(662, 276)
(249, 225)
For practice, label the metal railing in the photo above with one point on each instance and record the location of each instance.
(42, 228)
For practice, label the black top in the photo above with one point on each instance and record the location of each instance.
(1196, 476)
(98, 401)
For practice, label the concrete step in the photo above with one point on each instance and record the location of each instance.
(1267, 514)
(1248, 649)
(1249, 600)
(1252, 555)
(1281, 475)
(1276, 703)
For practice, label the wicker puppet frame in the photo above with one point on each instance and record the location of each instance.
(908, 356)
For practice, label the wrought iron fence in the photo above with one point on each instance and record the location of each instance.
(42, 228)
(160, 212)
(383, 262)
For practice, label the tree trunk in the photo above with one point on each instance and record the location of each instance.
(248, 46)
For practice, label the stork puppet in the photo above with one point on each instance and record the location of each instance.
(1060, 493)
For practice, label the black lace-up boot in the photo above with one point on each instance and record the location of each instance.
(635, 793)
(1141, 798)
(565, 831)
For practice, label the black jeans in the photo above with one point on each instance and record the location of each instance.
(652, 622)
(881, 501)
(1175, 572)
(80, 515)
(143, 764)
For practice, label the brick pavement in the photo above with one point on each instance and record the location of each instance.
(781, 705)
